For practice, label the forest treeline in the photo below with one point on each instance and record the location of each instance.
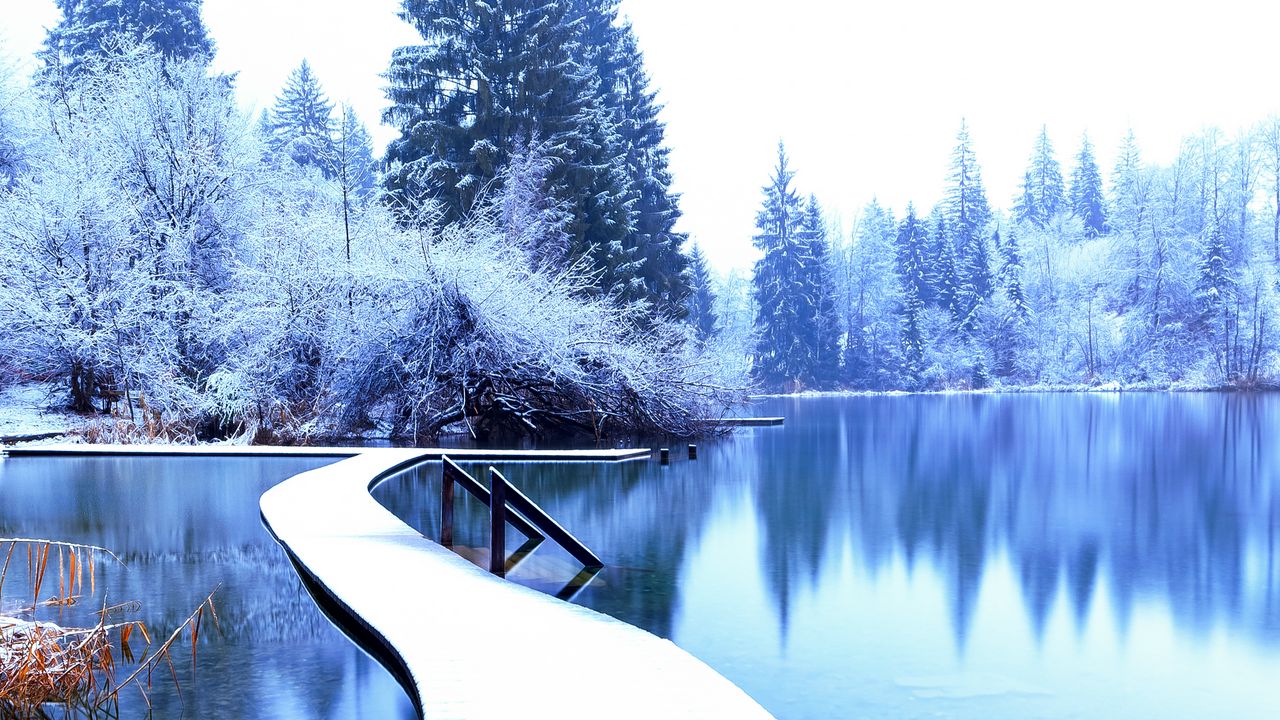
(1163, 276)
(509, 267)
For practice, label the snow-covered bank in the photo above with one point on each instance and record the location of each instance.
(30, 411)
(1023, 390)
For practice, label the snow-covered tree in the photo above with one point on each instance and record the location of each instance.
(787, 352)
(93, 29)
(1043, 195)
(702, 298)
(302, 122)
(872, 345)
(1087, 200)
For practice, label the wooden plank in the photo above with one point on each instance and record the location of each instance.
(481, 493)
(497, 523)
(746, 421)
(446, 506)
(528, 508)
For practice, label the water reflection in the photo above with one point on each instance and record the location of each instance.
(185, 526)
(962, 556)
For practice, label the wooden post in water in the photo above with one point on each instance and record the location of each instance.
(446, 506)
(497, 523)
(664, 456)
(693, 452)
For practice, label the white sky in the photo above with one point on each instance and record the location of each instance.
(867, 96)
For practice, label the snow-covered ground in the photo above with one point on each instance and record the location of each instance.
(32, 409)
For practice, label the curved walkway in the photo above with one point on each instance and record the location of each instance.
(465, 643)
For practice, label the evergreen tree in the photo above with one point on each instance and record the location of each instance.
(92, 28)
(947, 279)
(302, 121)
(786, 315)
(1129, 187)
(1215, 292)
(653, 206)
(820, 286)
(1011, 275)
(1043, 195)
(912, 337)
(872, 351)
(701, 300)
(911, 252)
(1087, 201)
(505, 74)
(966, 204)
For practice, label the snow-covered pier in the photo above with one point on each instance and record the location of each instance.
(463, 642)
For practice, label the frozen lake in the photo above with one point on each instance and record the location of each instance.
(1050, 556)
(185, 526)
(1009, 556)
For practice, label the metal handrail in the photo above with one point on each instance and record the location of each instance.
(506, 505)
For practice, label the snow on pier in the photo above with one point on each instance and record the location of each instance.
(465, 643)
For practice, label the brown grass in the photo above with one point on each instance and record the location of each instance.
(44, 665)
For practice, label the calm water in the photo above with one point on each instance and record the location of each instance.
(1020, 556)
(185, 526)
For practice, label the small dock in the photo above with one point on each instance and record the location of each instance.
(748, 421)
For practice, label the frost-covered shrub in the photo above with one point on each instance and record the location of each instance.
(119, 234)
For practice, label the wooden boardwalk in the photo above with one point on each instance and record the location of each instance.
(463, 643)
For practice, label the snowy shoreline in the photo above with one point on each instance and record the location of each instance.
(1106, 388)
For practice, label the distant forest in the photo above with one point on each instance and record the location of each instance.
(1162, 277)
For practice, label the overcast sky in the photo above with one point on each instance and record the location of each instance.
(867, 96)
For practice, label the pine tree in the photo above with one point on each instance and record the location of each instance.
(653, 206)
(504, 74)
(702, 300)
(1011, 275)
(1129, 187)
(1215, 291)
(912, 336)
(947, 279)
(820, 285)
(786, 316)
(911, 251)
(1043, 195)
(1087, 201)
(872, 351)
(92, 28)
(302, 121)
(967, 210)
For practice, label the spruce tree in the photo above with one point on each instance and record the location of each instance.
(911, 250)
(786, 316)
(1215, 292)
(92, 28)
(1011, 275)
(701, 300)
(302, 123)
(1043, 195)
(966, 201)
(1128, 187)
(608, 46)
(1087, 201)
(820, 286)
(495, 76)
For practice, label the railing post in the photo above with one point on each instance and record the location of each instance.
(497, 523)
(446, 506)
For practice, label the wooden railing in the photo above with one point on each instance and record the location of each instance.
(506, 505)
